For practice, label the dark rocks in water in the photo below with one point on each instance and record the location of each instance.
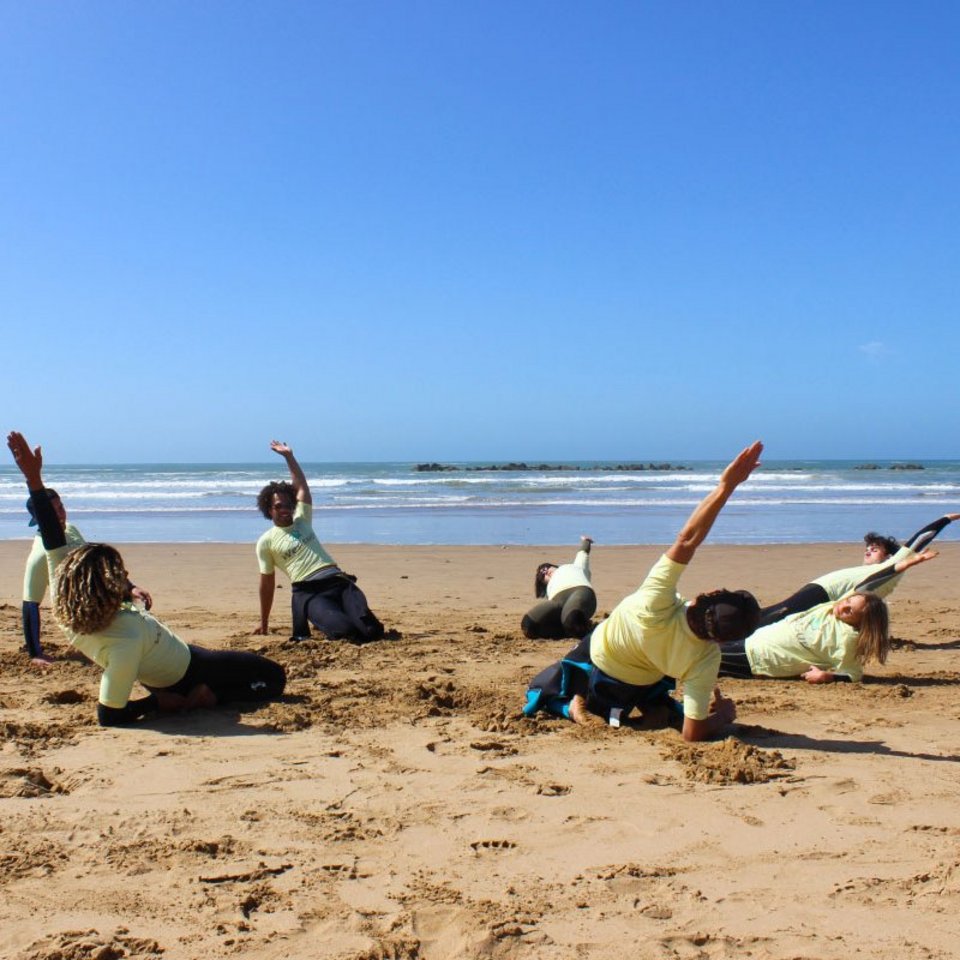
(893, 466)
(868, 466)
(544, 467)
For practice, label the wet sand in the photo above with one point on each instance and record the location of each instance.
(396, 804)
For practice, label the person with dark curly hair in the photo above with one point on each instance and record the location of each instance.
(322, 594)
(653, 638)
(92, 604)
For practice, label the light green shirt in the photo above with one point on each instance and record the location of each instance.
(36, 574)
(841, 582)
(294, 549)
(647, 638)
(812, 638)
(570, 575)
(133, 646)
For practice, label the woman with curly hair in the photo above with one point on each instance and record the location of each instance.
(829, 642)
(92, 602)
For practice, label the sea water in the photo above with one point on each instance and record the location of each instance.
(393, 503)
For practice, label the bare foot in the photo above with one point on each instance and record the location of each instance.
(41, 662)
(579, 712)
(201, 697)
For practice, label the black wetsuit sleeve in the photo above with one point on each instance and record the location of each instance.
(51, 532)
(877, 579)
(123, 716)
(31, 628)
(922, 538)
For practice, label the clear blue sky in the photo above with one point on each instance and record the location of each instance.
(474, 230)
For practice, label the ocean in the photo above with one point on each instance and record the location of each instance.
(393, 503)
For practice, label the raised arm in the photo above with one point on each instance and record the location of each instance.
(297, 477)
(921, 539)
(891, 570)
(698, 525)
(30, 462)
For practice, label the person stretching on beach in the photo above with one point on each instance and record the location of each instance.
(322, 594)
(654, 637)
(36, 578)
(92, 605)
(568, 600)
(832, 586)
(830, 641)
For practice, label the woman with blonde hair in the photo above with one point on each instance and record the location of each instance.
(829, 642)
(92, 603)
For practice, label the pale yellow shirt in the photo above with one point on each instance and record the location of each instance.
(570, 575)
(294, 549)
(812, 638)
(36, 574)
(646, 638)
(841, 582)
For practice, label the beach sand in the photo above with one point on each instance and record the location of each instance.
(396, 804)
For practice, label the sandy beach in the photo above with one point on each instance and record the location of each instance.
(397, 805)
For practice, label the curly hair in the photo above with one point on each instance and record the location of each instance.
(91, 585)
(888, 544)
(873, 640)
(265, 496)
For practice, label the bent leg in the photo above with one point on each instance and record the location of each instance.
(325, 611)
(806, 597)
(233, 675)
(367, 627)
(579, 605)
(543, 622)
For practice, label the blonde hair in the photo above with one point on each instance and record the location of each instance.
(91, 584)
(873, 632)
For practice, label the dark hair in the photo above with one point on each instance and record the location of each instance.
(539, 581)
(266, 495)
(889, 544)
(725, 615)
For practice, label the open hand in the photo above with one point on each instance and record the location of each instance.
(284, 449)
(29, 461)
(742, 465)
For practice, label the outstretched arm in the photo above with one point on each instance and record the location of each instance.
(894, 569)
(921, 539)
(698, 525)
(268, 586)
(297, 477)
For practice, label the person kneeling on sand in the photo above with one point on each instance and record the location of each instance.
(831, 641)
(654, 637)
(322, 594)
(567, 598)
(92, 605)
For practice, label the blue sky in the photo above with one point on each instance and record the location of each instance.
(438, 230)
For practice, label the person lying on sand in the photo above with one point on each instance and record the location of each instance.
(832, 586)
(36, 578)
(567, 598)
(654, 635)
(92, 605)
(831, 641)
(322, 594)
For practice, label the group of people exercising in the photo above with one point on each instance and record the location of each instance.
(653, 639)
